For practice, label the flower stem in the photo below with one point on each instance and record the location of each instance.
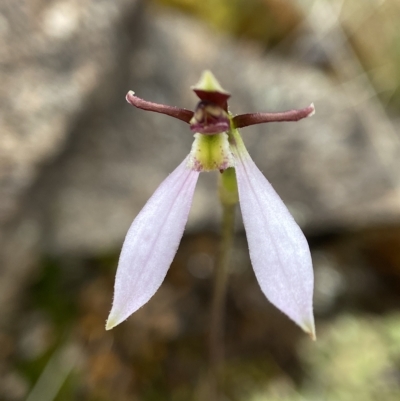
(229, 199)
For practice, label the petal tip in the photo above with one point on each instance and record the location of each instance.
(312, 112)
(129, 95)
(309, 328)
(111, 322)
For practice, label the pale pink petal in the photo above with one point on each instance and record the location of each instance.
(151, 243)
(279, 251)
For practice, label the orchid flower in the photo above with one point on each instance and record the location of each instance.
(279, 251)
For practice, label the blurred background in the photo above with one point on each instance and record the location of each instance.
(77, 163)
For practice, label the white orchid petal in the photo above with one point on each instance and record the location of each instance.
(279, 251)
(151, 243)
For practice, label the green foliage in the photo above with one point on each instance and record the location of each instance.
(264, 20)
(50, 294)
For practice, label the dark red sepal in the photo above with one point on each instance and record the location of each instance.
(245, 120)
(218, 98)
(172, 111)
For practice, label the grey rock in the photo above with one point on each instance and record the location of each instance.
(56, 59)
(53, 58)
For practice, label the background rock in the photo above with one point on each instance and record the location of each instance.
(57, 58)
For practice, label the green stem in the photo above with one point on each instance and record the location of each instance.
(229, 199)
